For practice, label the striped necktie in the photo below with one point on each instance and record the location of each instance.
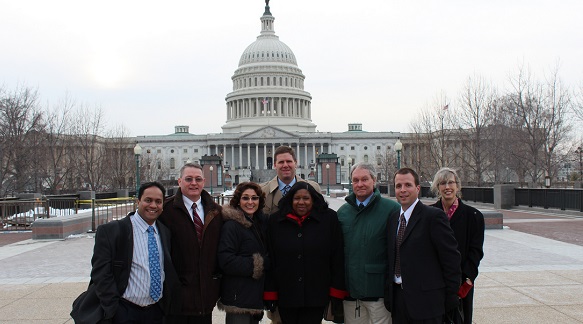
(400, 235)
(285, 190)
(197, 222)
(154, 265)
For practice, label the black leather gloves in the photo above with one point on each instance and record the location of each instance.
(270, 305)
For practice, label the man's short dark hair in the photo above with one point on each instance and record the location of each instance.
(282, 150)
(403, 171)
(147, 185)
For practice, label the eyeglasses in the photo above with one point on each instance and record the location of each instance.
(190, 179)
(449, 183)
(247, 198)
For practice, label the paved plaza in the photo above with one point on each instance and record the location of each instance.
(532, 272)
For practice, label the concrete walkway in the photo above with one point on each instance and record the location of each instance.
(524, 278)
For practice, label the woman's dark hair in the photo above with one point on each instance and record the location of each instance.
(239, 192)
(319, 204)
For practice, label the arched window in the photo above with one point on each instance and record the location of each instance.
(366, 158)
(172, 163)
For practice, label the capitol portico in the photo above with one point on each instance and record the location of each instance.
(267, 107)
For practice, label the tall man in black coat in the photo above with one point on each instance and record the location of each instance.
(424, 275)
(120, 290)
(195, 221)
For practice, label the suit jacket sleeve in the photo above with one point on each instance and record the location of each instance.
(102, 269)
(445, 244)
(338, 285)
(476, 242)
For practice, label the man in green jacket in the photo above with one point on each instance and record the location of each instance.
(364, 220)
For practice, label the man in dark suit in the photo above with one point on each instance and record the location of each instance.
(424, 275)
(195, 221)
(132, 270)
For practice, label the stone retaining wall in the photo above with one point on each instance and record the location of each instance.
(63, 226)
(493, 219)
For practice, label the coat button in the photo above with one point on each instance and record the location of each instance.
(300, 279)
(299, 256)
(299, 234)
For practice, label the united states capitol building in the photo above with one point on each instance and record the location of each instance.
(267, 107)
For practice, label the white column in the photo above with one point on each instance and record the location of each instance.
(224, 154)
(265, 156)
(248, 155)
(240, 155)
(256, 156)
(314, 152)
(306, 155)
(301, 110)
(298, 153)
(232, 156)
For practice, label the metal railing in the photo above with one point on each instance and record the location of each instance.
(564, 199)
(106, 210)
(478, 194)
(222, 200)
(20, 214)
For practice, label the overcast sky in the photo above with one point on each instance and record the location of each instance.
(151, 65)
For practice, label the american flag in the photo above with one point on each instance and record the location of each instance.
(265, 101)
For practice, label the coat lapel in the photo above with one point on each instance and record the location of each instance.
(414, 219)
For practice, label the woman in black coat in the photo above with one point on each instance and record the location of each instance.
(307, 254)
(467, 224)
(242, 256)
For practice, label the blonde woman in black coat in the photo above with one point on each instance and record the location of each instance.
(242, 256)
(467, 224)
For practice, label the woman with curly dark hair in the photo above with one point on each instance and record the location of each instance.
(242, 256)
(307, 257)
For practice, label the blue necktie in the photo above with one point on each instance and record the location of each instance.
(285, 190)
(154, 261)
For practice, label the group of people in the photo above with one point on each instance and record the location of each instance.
(278, 246)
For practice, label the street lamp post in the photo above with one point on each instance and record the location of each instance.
(137, 153)
(327, 179)
(211, 169)
(398, 148)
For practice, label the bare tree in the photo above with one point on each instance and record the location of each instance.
(58, 140)
(477, 105)
(539, 110)
(386, 164)
(120, 158)
(89, 148)
(21, 127)
(433, 138)
(153, 167)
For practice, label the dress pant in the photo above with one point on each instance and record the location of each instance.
(366, 312)
(231, 318)
(187, 319)
(401, 314)
(130, 313)
(468, 306)
(301, 315)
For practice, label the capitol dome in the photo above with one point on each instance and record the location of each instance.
(268, 87)
(268, 49)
